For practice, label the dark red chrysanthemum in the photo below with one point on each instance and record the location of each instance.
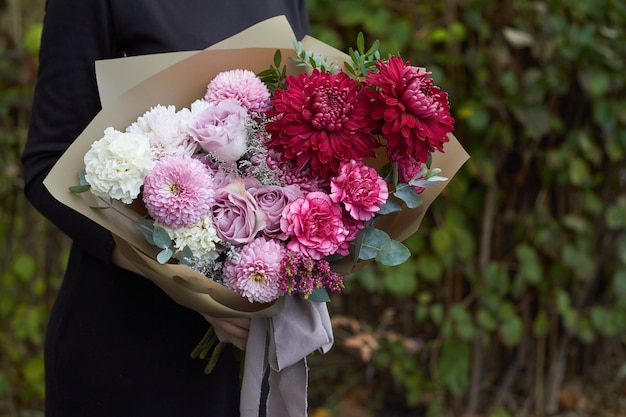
(321, 119)
(414, 112)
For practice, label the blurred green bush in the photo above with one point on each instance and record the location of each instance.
(517, 286)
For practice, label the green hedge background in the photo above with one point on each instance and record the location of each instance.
(514, 303)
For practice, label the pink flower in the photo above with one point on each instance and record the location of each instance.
(316, 226)
(361, 190)
(272, 199)
(220, 129)
(408, 167)
(321, 119)
(300, 273)
(414, 112)
(236, 215)
(178, 191)
(254, 270)
(241, 85)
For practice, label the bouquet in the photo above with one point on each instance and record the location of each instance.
(269, 181)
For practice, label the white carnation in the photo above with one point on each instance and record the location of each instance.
(117, 164)
(166, 130)
(201, 238)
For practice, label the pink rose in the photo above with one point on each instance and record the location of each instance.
(236, 215)
(221, 129)
(316, 226)
(361, 190)
(272, 199)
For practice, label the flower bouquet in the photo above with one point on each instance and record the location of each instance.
(246, 181)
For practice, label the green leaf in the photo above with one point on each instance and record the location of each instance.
(511, 331)
(429, 267)
(146, 227)
(453, 365)
(78, 189)
(161, 238)
(530, 266)
(277, 58)
(541, 325)
(409, 195)
(390, 206)
(394, 254)
(486, 320)
(319, 295)
(374, 240)
(24, 267)
(165, 255)
(401, 280)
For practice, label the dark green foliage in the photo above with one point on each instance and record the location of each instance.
(519, 270)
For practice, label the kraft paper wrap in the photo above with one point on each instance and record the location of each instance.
(282, 333)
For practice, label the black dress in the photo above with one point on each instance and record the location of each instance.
(116, 345)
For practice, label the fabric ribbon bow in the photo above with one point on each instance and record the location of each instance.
(283, 342)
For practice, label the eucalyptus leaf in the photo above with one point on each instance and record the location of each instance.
(165, 255)
(409, 195)
(390, 206)
(146, 227)
(395, 254)
(319, 295)
(161, 238)
(82, 177)
(374, 240)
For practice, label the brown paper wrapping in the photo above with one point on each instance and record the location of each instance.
(131, 86)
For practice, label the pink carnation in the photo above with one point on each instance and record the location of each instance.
(241, 85)
(361, 190)
(316, 226)
(254, 271)
(178, 191)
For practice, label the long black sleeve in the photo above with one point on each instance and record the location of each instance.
(66, 98)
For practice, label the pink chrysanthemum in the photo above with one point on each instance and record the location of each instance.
(361, 190)
(320, 120)
(178, 192)
(315, 225)
(242, 85)
(254, 270)
(415, 113)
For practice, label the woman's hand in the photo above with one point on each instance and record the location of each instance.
(236, 326)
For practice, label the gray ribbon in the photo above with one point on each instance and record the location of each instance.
(283, 342)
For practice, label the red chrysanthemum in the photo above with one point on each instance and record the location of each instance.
(321, 119)
(415, 113)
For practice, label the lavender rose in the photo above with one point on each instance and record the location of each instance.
(272, 199)
(221, 129)
(236, 215)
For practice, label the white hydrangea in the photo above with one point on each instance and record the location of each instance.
(116, 165)
(166, 130)
(200, 237)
